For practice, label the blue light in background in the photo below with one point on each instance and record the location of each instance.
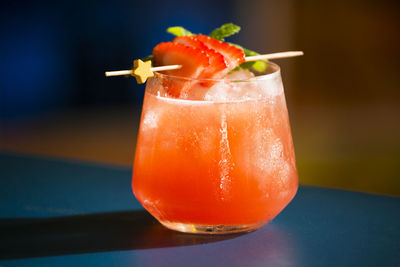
(53, 55)
(32, 67)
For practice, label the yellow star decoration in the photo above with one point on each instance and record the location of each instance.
(141, 70)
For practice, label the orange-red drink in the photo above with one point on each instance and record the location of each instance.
(220, 160)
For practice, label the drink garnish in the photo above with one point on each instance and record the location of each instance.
(199, 56)
(220, 34)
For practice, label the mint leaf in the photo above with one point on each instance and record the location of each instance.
(224, 31)
(178, 31)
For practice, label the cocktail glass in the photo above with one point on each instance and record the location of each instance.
(219, 161)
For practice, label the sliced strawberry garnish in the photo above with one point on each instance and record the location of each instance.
(217, 61)
(193, 60)
(233, 55)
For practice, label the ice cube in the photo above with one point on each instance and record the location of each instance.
(264, 155)
(250, 89)
(270, 85)
(243, 85)
(241, 74)
(266, 85)
(150, 120)
(222, 92)
(196, 92)
(234, 91)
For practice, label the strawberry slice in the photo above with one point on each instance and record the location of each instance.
(233, 56)
(217, 61)
(193, 60)
(191, 41)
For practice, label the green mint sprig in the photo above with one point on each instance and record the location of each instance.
(224, 31)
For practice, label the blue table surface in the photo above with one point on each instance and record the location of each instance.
(66, 213)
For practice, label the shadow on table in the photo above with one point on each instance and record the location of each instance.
(38, 237)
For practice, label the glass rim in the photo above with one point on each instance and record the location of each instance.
(275, 72)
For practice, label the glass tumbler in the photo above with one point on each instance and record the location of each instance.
(219, 161)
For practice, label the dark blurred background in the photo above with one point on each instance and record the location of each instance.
(343, 95)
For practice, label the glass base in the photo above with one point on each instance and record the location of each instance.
(212, 229)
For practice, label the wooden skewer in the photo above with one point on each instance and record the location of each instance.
(169, 67)
(129, 72)
(118, 73)
(174, 67)
(275, 55)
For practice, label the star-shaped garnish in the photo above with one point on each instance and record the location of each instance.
(141, 70)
